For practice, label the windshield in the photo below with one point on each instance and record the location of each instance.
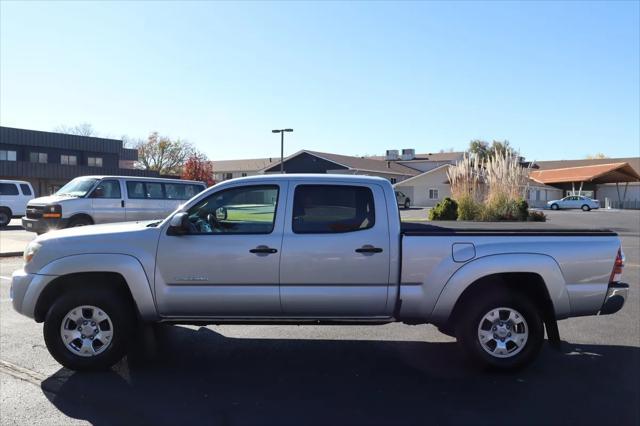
(77, 187)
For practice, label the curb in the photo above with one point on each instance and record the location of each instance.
(11, 254)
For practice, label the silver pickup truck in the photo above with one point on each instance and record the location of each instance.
(313, 249)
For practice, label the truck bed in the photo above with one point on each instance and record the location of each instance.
(451, 228)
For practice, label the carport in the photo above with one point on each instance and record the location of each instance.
(588, 177)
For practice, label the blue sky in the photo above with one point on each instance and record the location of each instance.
(558, 80)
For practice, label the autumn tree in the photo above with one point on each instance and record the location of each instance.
(163, 155)
(483, 150)
(198, 167)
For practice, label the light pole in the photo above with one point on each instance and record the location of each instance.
(281, 131)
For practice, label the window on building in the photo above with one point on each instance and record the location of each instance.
(38, 157)
(25, 189)
(94, 161)
(244, 174)
(69, 160)
(7, 155)
(8, 189)
(434, 194)
(393, 180)
(242, 210)
(326, 209)
(228, 176)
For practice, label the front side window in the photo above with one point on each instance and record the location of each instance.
(107, 189)
(94, 161)
(77, 187)
(434, 194)
(38, 157)
(26, 190)
(8, 189)
(327, 209)
(243, 210)
(7, 155)
(69, 160)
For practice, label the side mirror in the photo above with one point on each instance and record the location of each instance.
(179, 224)
(221, 213)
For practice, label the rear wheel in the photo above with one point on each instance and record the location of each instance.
(502, 330)
(89, 328)
(5, 217)
(554, 207)
(586, 208)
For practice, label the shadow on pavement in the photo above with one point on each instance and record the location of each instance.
(199, 376)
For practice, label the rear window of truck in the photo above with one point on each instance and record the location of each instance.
(330, 209)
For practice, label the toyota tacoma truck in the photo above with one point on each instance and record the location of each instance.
(313, 249)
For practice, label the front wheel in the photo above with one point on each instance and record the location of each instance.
(5, 217)
(586, 208)
(88, 329)
(407, 204)
(554, 207)
(503, 330)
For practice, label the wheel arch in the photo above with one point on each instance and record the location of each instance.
(536, 275)
(79, 215)
(124, 272)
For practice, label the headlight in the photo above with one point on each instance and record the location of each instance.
(30, 251)
(52, 212)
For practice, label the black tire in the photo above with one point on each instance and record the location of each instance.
(407, 203)
(585, 208)
(473, 313)
(79, 221)
(554, 207)
(114, 303)
(5, 217)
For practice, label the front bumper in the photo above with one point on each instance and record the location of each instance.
(26, 289)
(43, 225)
(616, 296)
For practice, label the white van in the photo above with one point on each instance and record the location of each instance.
(89, 200)
(14, 196)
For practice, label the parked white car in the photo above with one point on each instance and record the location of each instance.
(88, 200)
(403, 200)
(574, 202)
(14, 196)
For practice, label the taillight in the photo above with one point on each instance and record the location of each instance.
(616, 273)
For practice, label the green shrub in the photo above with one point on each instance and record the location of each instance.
(446, 209)
(468, 209)
(523, 209)
(501, 208)
(537, 217)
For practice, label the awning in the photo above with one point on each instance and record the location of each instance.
(600, 173)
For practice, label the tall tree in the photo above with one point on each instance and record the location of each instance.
(162, 154)
(483, 150)
(82, 129)
(479, 148)
(198, 167)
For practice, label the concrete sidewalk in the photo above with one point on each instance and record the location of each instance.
(13, 239)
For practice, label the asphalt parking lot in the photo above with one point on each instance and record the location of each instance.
(392, 374)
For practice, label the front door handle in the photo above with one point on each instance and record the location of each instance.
(368, 249)
(263, 250)
(122, 203)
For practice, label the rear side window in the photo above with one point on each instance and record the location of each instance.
(328, 209)
(25, 189)
(154, 190)
(8, 189)
(135, 190)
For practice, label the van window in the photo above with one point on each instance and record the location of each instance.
(326, 209)
(154, 190)
(25, 189)
(8, 189)
(107, 189)
(135, 190)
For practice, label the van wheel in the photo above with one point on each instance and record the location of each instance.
(407, 204)
(5, 217)
(554, 207)
(89, 329)
(502, 330)
(586, 208)
(79, 221)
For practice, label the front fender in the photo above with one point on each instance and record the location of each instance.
(127, 266)
(540, 264)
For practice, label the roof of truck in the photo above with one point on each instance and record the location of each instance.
(333, 177)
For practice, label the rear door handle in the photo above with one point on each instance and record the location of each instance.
(368, 249)
(264, 250)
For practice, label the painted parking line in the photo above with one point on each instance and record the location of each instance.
(5, 278)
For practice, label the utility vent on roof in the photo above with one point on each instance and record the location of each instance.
(408, 154)
(392, 155)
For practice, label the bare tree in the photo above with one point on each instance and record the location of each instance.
(597, 156)
(162, 154)
(82, 129)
